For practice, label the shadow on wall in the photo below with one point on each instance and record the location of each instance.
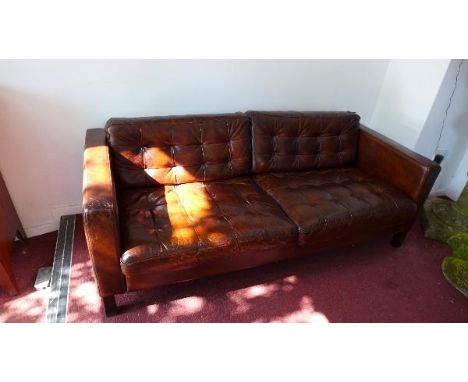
(405, 99)
(392, 118)
(457, 121)
(40, 157)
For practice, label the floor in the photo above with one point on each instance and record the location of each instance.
(369, 283)
(30, 305)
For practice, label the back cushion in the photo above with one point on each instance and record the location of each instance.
(174, 150)
(289, 141)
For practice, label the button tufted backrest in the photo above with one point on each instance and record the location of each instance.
(175, 150)
(289, 141)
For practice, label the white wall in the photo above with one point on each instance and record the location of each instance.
(454, 140)
(457, 178)
(46, 107)
(427, 141)
(411, 109)
(406, 98)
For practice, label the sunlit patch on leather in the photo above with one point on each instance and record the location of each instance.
(182, 173)
(218, 237)
(100, 175)
(184, 236)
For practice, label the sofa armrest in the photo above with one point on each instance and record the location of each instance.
(402, 168)
(100, 216)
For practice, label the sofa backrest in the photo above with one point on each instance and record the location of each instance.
(173, 150)
(291, 141)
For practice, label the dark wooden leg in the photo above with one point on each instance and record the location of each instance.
(7, 278)
(110, 306)
(21, 235)
(398, 239)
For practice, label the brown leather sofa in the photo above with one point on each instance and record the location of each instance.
(170, 199)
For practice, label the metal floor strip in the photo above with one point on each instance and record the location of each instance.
(61, 269)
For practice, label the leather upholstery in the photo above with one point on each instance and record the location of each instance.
(404, 169)
(331, 204)
(174, 150)
(289, 141)
(100, 214)
(177, 198)
(174, 226)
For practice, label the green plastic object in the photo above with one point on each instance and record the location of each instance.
(443, 218)
(455, 267)
(447, 221)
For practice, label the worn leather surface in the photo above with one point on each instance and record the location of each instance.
(175, 226)
(174, 150)
(333, 204)
(165, 273)
(406, 170)
(176, 198)
(100, 214)
(289, 141)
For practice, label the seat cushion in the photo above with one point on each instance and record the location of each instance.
(330, 205)
(177, 224)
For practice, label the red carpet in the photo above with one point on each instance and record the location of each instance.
(30, 305)
(369, 283)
